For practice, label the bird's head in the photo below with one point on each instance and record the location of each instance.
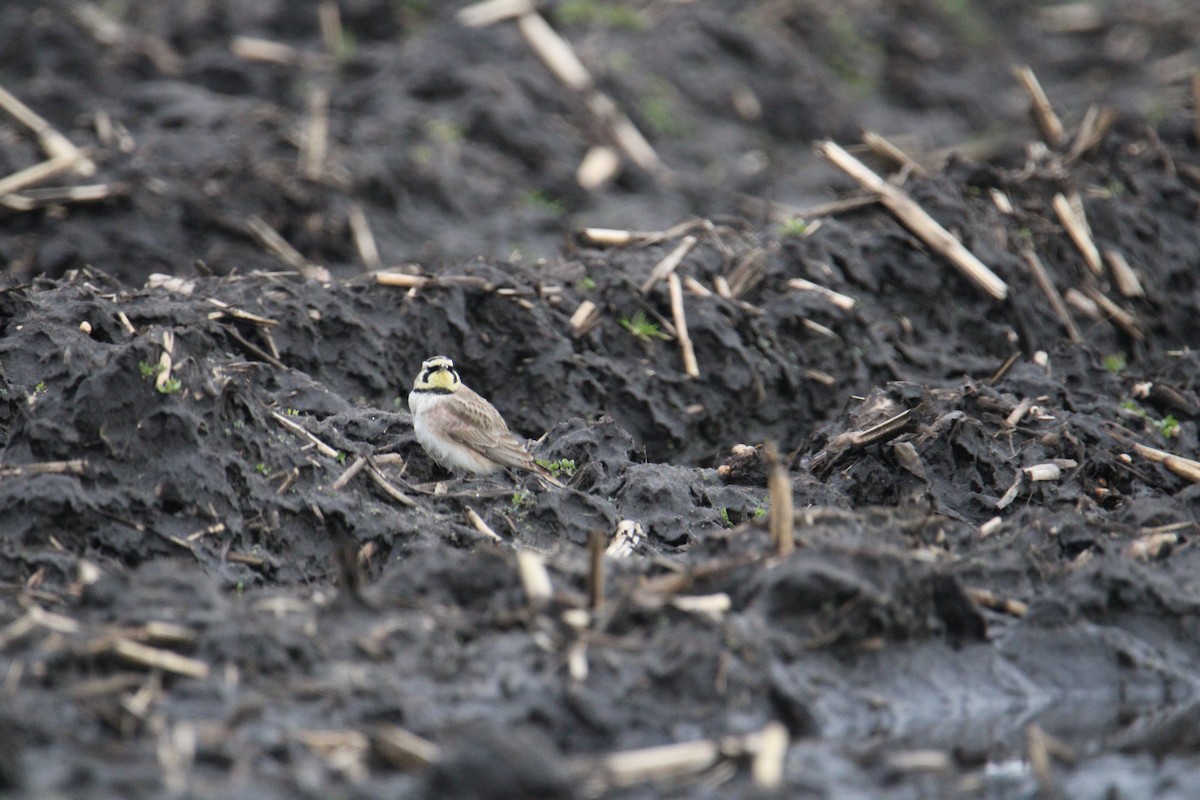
(437, 375)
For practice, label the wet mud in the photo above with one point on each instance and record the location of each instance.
(227, 568)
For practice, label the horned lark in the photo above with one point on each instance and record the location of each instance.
(459, 429)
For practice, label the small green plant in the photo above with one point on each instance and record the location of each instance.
(641, 327)
(551, 206)
(586, 284)
(723, 513)
(40, 387)
(261, 468)
(149, 370)
(760, 512)
(170, 386)
(794, 228)
(291, 412)
(521, 499)
(341, 457)
(595, 12)
(659, 106)
(345, 46)
(563, 466)
(444, 131)
(1115, 363)
(1168, 426)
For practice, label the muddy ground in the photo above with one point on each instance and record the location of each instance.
(239, 575)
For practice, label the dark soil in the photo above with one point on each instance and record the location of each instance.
(189, 606)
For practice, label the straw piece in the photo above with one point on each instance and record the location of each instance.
(608, 237)
(690, 367)
(1048, 124)
(478, 524)
(1082, 303)
(554, 51)
(632, 767)
(782, 514)
(330, 22)
(599, 166)
(279, 247)
(156, 658)
(1152, 546)
(53, 143)
(316, 139)
(1071, 215)
(696, 287)
(1123, 275)
(889, 152)
(364, 239)
(1051, 291)
(767, 767)
(1183, 467)
(989, 599)
(402, 280)
(355, 467)
(1196, 105)
(404, 749)
(667, 266)
(75, 466)
(1043, 472)
(163, 377)
(534, 577)
(844, 302)
(43, 170)
(915, 218)
(303, 432)
(1125, 320)
(1096, 124)
(584, 318)
(628, 537)
(489, 12)
(625, 133)
(58, 195)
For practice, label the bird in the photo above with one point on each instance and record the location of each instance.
(461, 430)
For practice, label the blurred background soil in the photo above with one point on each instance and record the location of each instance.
(239, 576)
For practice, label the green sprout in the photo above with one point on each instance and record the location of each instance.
(760, 512)
(1115, 363)
(550, 206)
(521, 499)
(170, 386)
(149, 370)
(1168, 426)
(261, 468)
(292, 412)
(641, 327)
(659, 106)
(595, 12)
(586, 284)
(724, 515)
(40, 387)
(341, 457)
(794, 228)
(563, 466)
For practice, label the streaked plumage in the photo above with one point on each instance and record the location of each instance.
(459, 429)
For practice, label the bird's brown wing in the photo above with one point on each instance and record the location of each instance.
(479, 426)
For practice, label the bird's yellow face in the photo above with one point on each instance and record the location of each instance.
(437, 375)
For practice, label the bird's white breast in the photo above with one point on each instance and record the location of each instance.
(449, 454)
